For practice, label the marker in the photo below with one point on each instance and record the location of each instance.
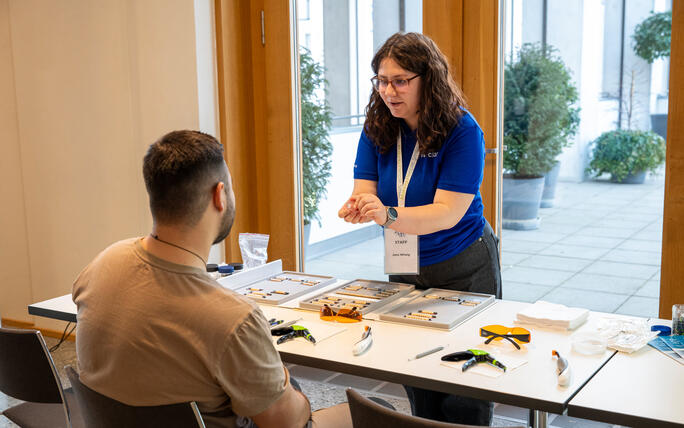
(426, 353)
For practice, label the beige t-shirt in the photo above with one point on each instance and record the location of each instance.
(151, 332)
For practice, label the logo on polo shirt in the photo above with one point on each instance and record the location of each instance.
(429, 155)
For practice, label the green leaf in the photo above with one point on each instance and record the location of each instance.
(651, 38)
(540, 115)
(316, 117)
(623, 152)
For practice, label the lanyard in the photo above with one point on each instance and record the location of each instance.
(402, 184)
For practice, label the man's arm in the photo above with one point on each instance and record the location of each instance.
(292, 409)
(256, 380)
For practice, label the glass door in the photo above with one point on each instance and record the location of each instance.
(337, 40)
(585, 113)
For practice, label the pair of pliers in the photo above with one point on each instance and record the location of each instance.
(473, 356)
(292, 332)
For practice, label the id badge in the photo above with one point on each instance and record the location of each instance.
(401, 253)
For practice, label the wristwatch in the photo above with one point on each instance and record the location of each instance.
(391, 216)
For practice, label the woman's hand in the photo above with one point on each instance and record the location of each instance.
(371, 208)
(350, 213)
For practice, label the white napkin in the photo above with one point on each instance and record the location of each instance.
(553, 315)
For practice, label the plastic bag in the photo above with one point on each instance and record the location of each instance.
(253, 247)
(625, 335)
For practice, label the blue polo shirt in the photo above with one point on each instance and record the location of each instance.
(457, 167)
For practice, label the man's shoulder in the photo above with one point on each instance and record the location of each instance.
(220, 304)
(119, 248)
(111, 255)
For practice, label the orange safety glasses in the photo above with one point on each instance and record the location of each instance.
(512, 334)
(342, 315)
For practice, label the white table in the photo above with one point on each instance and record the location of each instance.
(60, 308)
(645, 388)
(533, 385)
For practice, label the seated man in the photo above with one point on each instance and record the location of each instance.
(154, 328)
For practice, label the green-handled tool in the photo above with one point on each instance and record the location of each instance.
(296, 331)
(473, 356)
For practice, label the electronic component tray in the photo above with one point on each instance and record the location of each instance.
(284, 286)
(366, 295)
(439, 308)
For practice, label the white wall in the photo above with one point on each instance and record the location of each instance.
(339, 188)
(86, 87)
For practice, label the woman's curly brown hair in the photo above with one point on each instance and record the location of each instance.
(441, 100)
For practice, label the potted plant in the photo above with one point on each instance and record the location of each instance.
(627, 154)
(539, 120)
(651, 41)
(316, 117)
(651, 38)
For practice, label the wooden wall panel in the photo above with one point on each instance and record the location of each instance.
(443, 23)
(255, 103)
(672, 268)
(467, 32)
(236, 113)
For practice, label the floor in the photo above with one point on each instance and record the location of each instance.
(598, 247)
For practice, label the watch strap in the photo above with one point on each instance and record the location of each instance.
(390, 219)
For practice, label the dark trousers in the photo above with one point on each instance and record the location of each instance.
(475, 269)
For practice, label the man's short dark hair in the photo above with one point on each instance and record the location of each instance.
(180, 171)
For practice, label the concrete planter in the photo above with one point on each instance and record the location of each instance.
(632, 178)
(521, 199)
(659, 124)
(305, 237)
(550, 180)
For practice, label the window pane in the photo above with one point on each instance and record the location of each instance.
(341, 36)
(585, 96)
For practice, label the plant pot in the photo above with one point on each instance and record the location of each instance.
(521, 198)
(632, 178)
(659, 124)
(305, 238)
(550, 180)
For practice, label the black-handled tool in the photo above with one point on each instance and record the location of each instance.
(473, 356)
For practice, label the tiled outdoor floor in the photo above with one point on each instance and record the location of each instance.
(598, 247)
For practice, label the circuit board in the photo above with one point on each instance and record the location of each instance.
(365, 295)
(284, 286)
(439, 308)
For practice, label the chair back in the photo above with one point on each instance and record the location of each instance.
(27, 371)
(103, 412)
(366, 413)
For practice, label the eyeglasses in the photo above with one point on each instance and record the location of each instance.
(399, 85)
(512, 334)
(342, 315)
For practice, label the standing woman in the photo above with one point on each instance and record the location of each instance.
(431, 208)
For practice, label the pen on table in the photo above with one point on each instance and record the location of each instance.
(426, 353)
(286, 324)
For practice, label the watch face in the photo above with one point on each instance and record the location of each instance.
(392, 213)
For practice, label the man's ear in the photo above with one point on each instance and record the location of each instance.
(219, 196)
